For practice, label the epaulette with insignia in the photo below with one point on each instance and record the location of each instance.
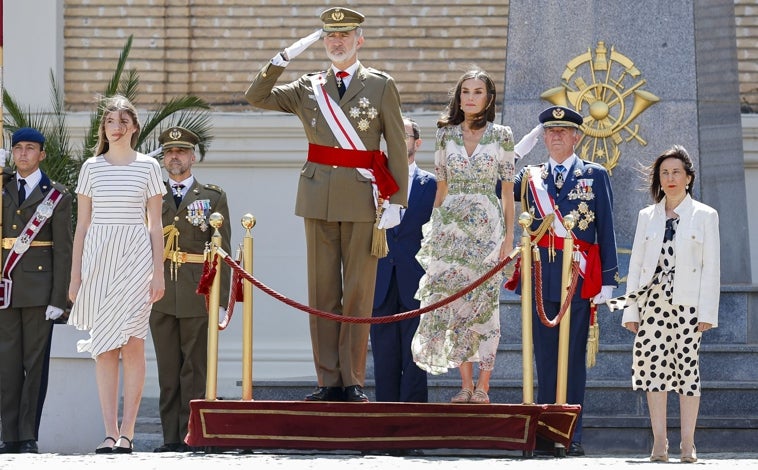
(213, 187)
(378, 72)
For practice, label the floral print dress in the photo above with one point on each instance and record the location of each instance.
(461, 243)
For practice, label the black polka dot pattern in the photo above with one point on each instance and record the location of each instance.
(667, 346)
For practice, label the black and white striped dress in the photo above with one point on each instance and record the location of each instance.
(113, 302)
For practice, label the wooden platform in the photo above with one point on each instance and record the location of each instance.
(376, 426)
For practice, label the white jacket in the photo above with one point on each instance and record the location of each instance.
(697, 278)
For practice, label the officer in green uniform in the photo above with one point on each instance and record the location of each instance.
(36, 266)
(179, 321)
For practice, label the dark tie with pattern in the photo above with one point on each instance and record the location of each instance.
(21, 191)
(340, 82)
(559, 169)
(178, 193)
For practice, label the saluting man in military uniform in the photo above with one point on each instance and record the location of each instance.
(565, 185)
(179, 321)
(37, 243)
(345, 111)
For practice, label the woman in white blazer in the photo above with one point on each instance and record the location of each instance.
(672, 296)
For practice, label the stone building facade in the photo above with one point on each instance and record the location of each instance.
(210, 48)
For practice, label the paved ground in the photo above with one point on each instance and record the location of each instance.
(346, 461)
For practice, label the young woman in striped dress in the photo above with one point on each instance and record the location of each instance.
(117, 268)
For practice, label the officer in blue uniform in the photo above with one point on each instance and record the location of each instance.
(565, 184)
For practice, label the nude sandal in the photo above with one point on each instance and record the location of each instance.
(480, 396)
(464, 396)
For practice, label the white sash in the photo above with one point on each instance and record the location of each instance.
(546, 206)
(340, 125)
(41, 215)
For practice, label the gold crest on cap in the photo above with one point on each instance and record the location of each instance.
(558, 113)
(337, 15)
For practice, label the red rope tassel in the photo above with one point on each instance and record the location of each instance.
(513, 282)
(204, 286)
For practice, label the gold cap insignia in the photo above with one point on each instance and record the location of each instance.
(558, 113)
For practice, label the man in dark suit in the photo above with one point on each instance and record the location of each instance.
(179, 321)
(568, 185)
(397, 377)
(37, 243)
(345, 111)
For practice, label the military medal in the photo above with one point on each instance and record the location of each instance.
(365, 112)
(198, 212)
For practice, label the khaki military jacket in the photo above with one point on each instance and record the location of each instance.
(340, 193)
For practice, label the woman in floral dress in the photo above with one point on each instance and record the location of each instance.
(470, 231)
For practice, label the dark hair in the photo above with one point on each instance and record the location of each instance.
(454, 114)
(119, 104)
(415, 126)
(680, 153)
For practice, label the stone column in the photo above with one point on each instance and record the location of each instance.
(685, 53)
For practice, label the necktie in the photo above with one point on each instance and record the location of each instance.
(559, 169)
(178, 193)
(21, 191)
(341, 83)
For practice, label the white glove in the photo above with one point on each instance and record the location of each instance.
(299, 46)
(53, 313)
(3, 157)
(390, 216)
(527, 143)
(606, 294)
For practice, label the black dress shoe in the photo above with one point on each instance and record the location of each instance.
(325, 394)
(173, 447)
(28, 447)
(355, 393)
(575, 450)
(9, 448)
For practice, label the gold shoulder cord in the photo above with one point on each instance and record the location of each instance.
(547, 222)
(171, 247)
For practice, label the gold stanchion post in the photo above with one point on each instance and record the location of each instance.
(216, 220)
(527, 345)
(563, 333)
(248, 221)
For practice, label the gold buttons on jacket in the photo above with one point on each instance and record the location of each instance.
(18, 211)
(13, 226)
(39, 268)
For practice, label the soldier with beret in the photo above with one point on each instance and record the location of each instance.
(563, 185)
(345, 110)
(179, 321)
(36, 263)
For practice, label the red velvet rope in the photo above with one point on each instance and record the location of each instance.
(538, 294)
(236, 268)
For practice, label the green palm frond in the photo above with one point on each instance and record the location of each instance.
(64, 162)
(189, 112)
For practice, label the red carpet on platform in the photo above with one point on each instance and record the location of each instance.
(376, 426)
